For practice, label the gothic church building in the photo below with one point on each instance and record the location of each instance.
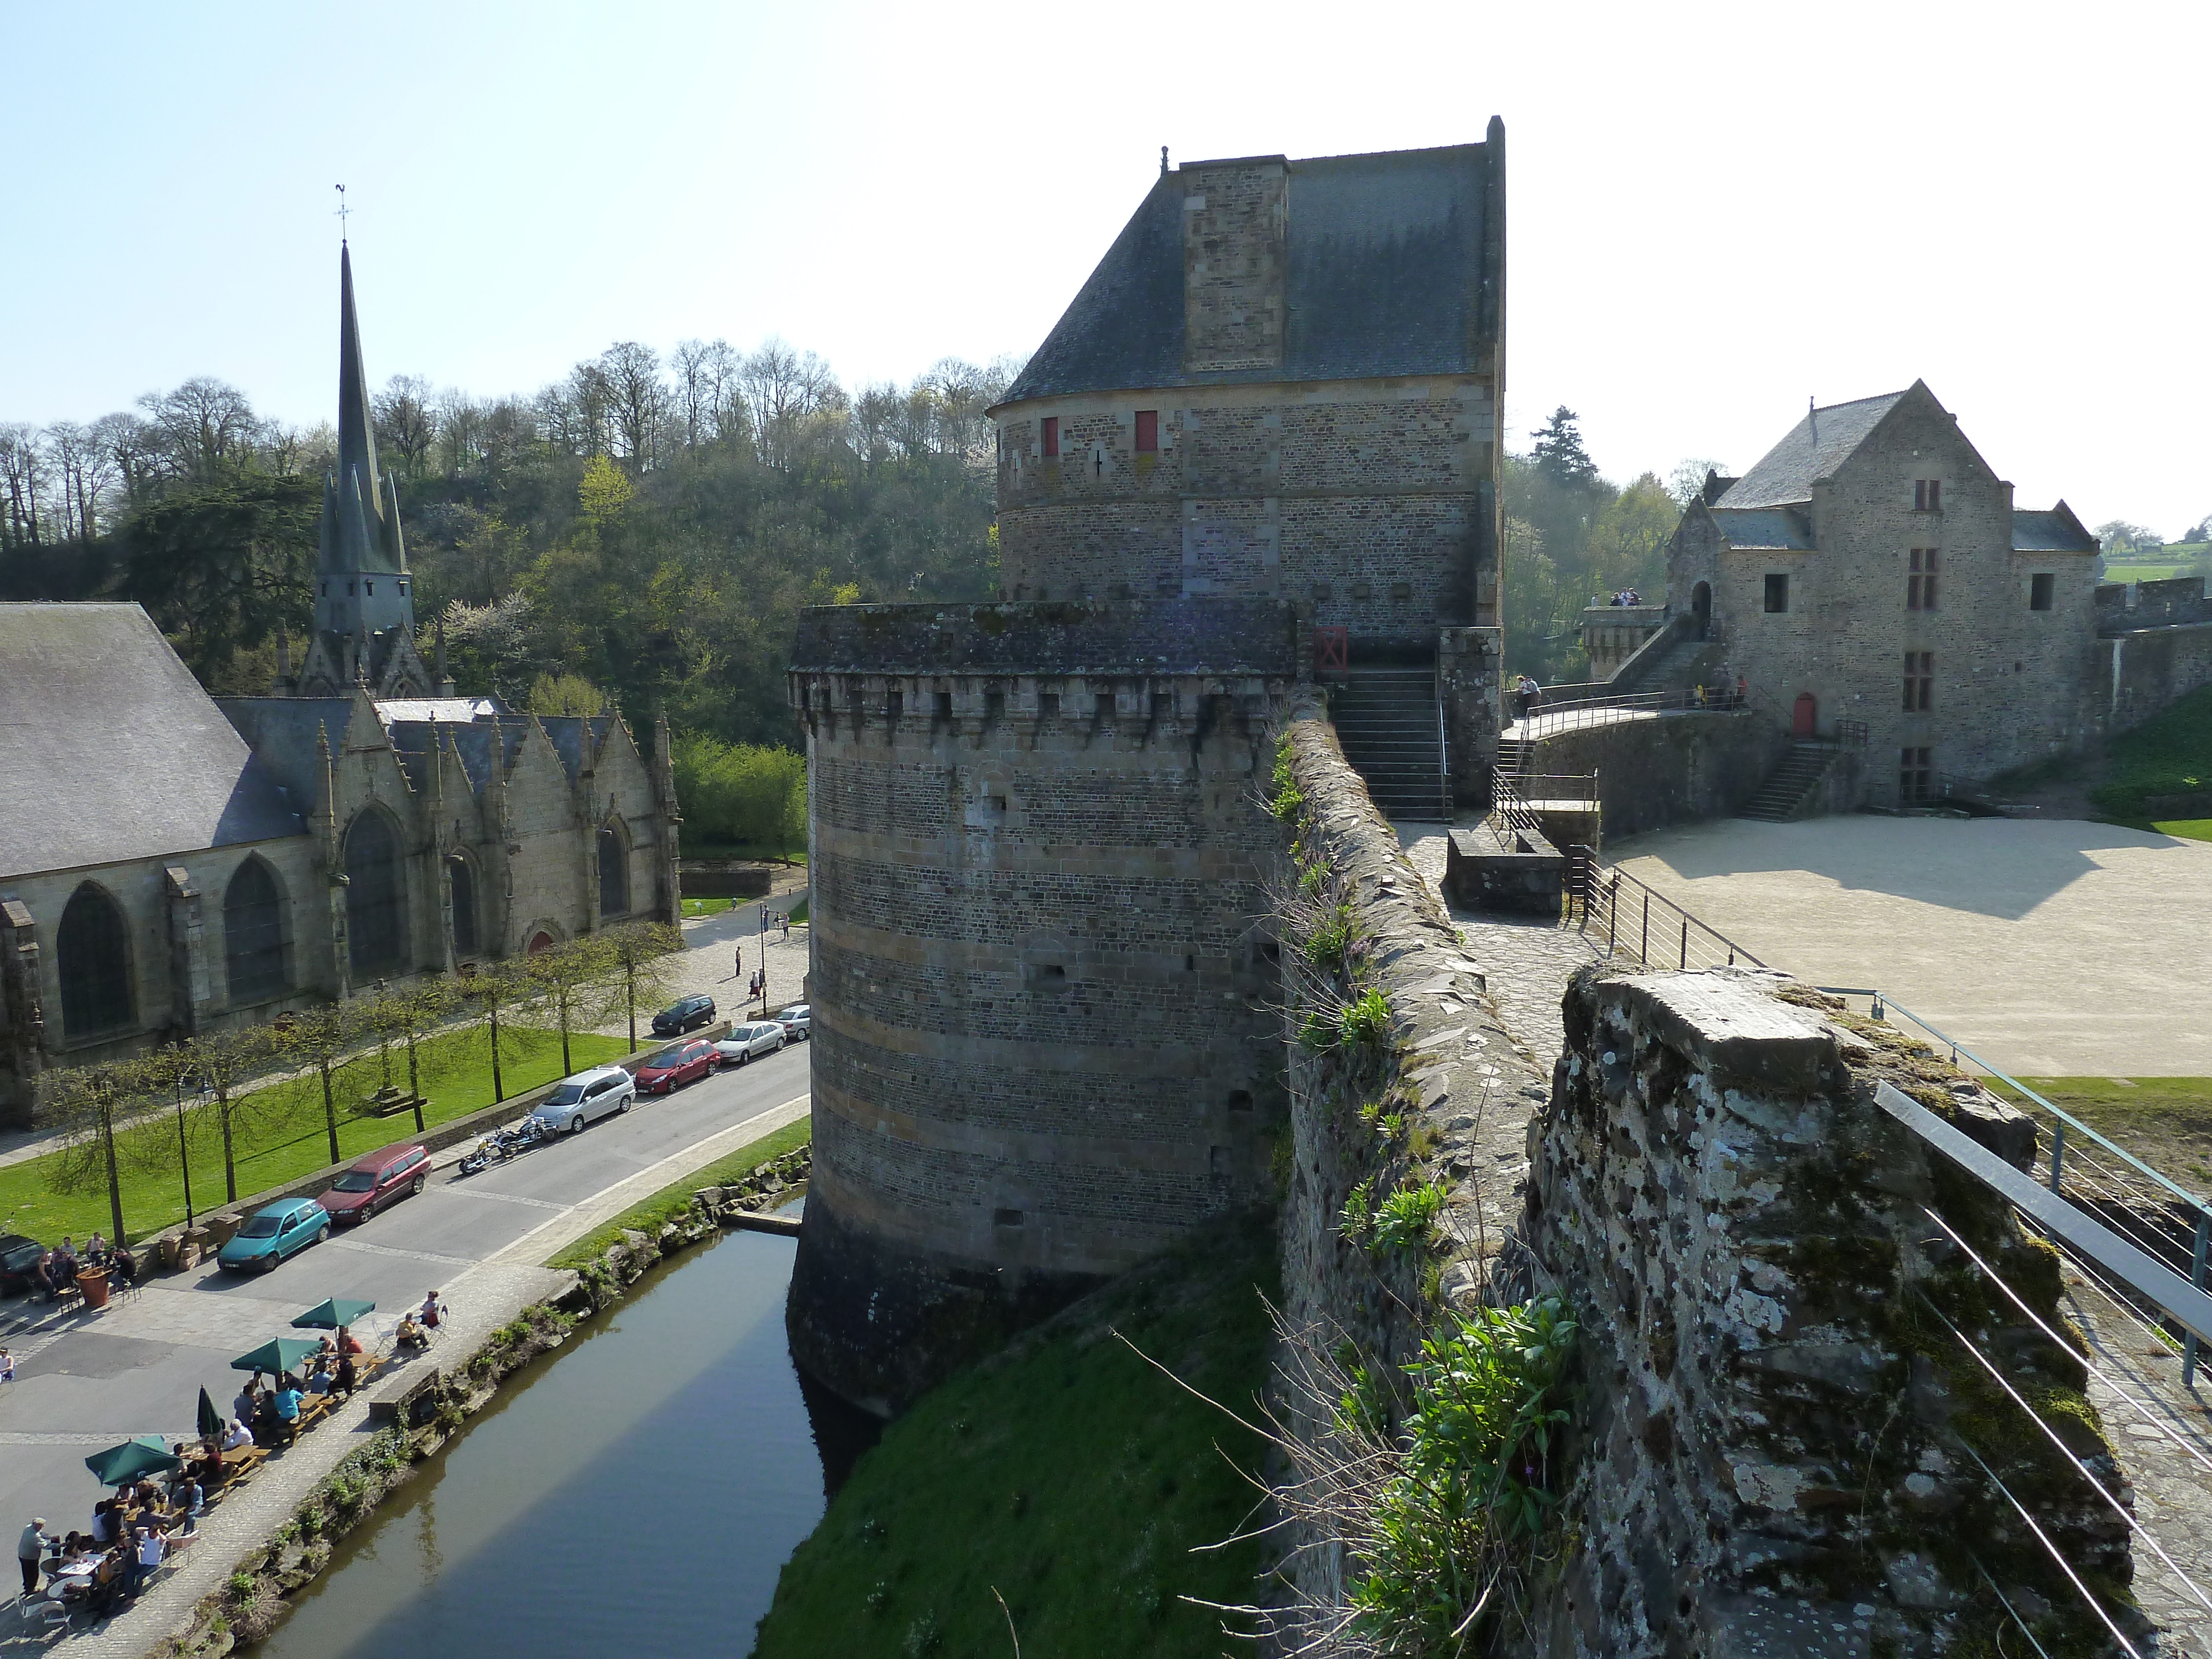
(171, 863)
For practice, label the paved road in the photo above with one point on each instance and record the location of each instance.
(89, 1380)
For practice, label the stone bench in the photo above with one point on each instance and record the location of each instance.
(394, 1399)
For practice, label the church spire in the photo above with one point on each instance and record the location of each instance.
(357, 429)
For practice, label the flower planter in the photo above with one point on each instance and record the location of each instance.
(93, 1281)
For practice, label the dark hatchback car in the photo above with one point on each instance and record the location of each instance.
(380, 1179)
(684, 1015)
(18, 1256)
(670, 1071)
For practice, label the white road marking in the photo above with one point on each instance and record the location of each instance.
(367, 1249)
(504, 1198)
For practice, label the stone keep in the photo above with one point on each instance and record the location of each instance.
(1043, 1043)
(1044, 975)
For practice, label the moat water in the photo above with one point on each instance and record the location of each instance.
(637, 1490)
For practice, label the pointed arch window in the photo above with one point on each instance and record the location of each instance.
(254, 933)
(614, 873)
(376, 895)
(94, 948)
(463, 880)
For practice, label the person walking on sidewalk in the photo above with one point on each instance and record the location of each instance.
(737, 967)
(28, 1549)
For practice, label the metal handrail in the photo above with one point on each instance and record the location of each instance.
(2192, 1200)
(1444, 749)
(1595, 875)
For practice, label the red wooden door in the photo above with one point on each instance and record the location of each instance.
(1802, 718)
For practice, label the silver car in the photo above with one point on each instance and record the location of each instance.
(746, 1042)
(585, 1098)
(798, 1021)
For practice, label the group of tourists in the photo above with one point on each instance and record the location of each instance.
(1626, 596)
(55, 1274)
(132, 1533)
(1526, 697)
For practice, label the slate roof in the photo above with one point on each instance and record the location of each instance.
(1765, 527)
(1383, 275)
(2056, 531)
(282, 731)
(110, 751)
(1815, 449)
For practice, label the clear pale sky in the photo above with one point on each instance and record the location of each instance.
(1716, 211)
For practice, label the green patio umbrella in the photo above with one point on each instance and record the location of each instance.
(211, 1418)
(119, 1465)
(281, 1355)
(330, 1314)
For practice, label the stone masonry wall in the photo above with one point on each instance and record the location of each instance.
(1360, 501)
(1673, 770)
(1768, 1450)
(1041, 976)
(1444, 1099)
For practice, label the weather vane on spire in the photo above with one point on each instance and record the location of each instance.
(343, 210)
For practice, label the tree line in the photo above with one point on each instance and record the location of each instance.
(649, 525)
(210, 1096)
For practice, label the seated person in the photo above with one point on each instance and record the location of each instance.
(319, 1375)
(190, 1501)
(103, 1521)
(248, 1403)
(410, 1334)
(287, 1404)
(236, 1435)
(124, 1264)
(147, 1547)
(347, 1342)
(349, 1377)
(94, 1247)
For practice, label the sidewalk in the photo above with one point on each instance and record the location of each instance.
(484, 1296)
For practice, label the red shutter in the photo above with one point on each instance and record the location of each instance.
(1052, 435)
(1148, 431)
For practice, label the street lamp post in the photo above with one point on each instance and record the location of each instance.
(184, 1151)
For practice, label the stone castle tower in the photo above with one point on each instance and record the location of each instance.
(364, 629)
(1045, 981)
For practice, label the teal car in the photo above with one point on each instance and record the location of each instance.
(274, 1232)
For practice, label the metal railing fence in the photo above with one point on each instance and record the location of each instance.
(1626, 910)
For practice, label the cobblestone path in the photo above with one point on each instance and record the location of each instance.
(1525, 961)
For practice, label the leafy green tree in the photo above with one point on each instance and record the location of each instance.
(322, 1040)
(642, 959)
(94, 1103)
(221, 566)
(570, 982)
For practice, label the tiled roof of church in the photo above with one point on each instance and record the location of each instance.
(283, 732)
(1382, 274)
(1815, 449)
(112, 751)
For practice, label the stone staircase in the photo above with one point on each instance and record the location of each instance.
(1782, 797)
(1386, 719)
(1514, 755)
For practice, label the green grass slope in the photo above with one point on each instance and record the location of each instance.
(2169, 754)
(1066, 1475)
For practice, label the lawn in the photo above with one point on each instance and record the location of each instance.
(2186, 828)
(280, 1135)
(2169, 754)
(650, 1215)
(695, 907)
(1066, 1475)
(2166, 1121)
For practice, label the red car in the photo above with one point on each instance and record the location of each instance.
(670, 1071)
(380, 1179)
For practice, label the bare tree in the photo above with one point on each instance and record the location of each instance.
(636, 398)
(462, 423)
(322, 1040)
(135, 448)
(23, 473)
(641, 957)
(404, 425)
(208, 424)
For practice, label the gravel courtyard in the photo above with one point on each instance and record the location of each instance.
(2055, 947)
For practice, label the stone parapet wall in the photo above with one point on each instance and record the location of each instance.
(1769, 1454)
(1672, 769)
(1470, 670)
(2124, 607)
(943, 644)
(1444, 1099)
